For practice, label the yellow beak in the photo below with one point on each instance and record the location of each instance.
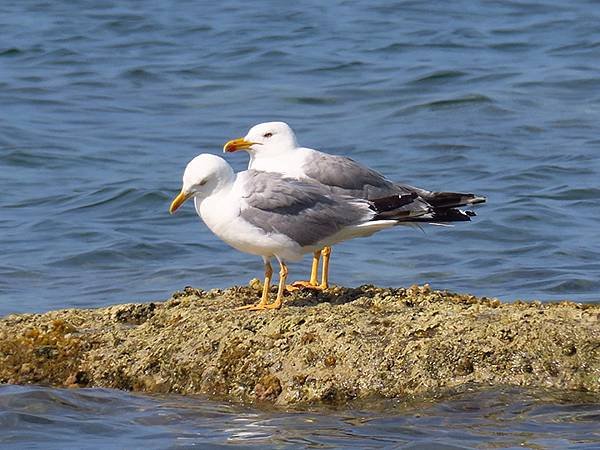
(178, 201)
(237, 144)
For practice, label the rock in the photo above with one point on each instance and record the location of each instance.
(322, 347)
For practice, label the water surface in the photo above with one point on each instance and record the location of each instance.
(104, 102)
(499, 418)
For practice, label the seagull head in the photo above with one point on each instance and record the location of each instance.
(203, 176)
(270, 138)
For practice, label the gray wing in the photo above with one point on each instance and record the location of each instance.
(345, 176)
(304, 211)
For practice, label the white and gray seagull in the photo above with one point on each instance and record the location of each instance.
(269, 215)
(272, 147)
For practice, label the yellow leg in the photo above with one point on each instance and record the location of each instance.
(326, 252)
(264, 300)
(279, 299)
(314, 282)
(315, 268)
(282, 277)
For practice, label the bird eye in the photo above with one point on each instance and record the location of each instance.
(203, 182)
(267, 135)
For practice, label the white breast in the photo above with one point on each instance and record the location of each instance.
(220, 213)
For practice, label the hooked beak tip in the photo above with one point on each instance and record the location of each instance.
(177, 202)
(237, 144)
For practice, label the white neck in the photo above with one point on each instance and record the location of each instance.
(289, 163)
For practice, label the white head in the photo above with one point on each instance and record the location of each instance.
(204, 175)
(265, 139)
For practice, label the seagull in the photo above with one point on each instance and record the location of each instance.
(272, 147)
(273, 216)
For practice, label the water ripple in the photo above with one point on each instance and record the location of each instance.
(102, 111)
(499, 418)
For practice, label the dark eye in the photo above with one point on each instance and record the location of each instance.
(267, 135)
(203, 182)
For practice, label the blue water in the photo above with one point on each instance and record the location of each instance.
(102, 103)
(100, 418)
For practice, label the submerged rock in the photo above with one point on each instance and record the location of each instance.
(332, 347)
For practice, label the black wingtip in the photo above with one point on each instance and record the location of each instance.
(478, 199)
(392, 202)
(446, 215)
(453, 199)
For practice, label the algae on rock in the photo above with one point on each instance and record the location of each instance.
(331, 346)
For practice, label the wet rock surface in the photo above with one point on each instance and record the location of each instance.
(322, 347)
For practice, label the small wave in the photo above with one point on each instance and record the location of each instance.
(571, 194)
(35, 157)
(312, 100)
(142, 45)
(140, 74)
(130, 25)
(496, 76)
(274, 54)
(13, 51)
(119, 253)
(121, 198)
(513, 47)
(449, 147)
(60, 53)
(573, 286)
(465, 99)
(184, 31)
(338, 67)
(439, 76)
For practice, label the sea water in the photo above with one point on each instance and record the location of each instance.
(102, 104)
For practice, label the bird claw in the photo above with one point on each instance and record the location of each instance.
(298, 285)
(259, 307)
(245, 307)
